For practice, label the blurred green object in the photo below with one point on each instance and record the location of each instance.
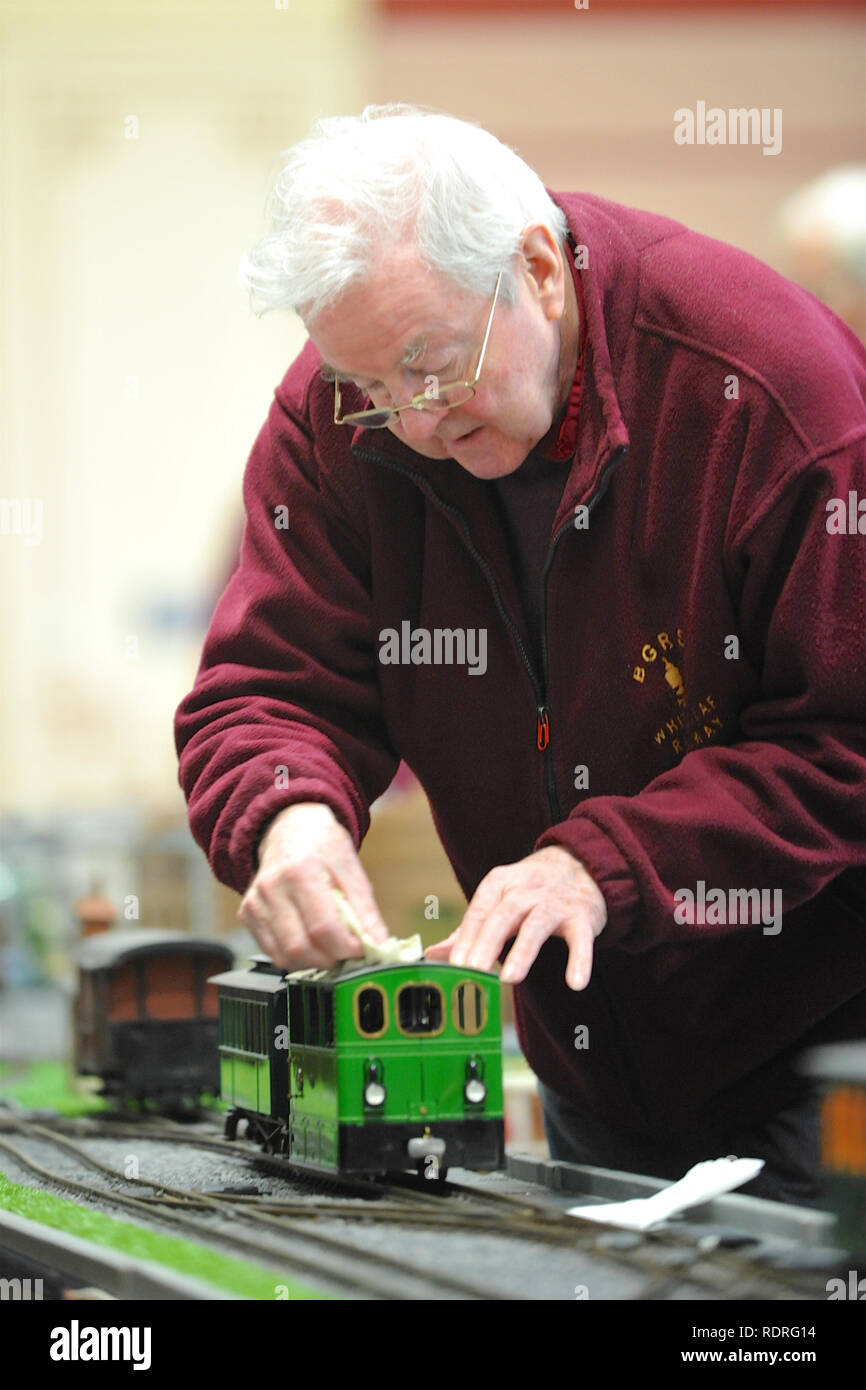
(47, 1086)
(54, 1086)
(32, 928)
(242, 1277)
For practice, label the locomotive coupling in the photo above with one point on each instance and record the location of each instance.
(426, 1147)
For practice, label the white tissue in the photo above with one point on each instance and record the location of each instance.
(396, 950)
(708, 1179)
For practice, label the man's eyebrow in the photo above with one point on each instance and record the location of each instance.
(414, 350)
(329, 373)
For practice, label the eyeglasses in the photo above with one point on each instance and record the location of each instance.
(434, 397)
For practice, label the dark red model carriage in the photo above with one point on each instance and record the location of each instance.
(145, 1016)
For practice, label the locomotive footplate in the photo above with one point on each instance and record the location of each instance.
(381, 1147)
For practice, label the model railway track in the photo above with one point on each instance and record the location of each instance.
(668, 1259)
(312, 1253)
(423, 1207)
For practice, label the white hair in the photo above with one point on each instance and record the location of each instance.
(396, 174)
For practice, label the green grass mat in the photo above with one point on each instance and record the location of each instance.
(225, 1272)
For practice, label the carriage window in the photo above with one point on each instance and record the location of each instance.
(469, 1007)
(232, 1035)
(371, 1011)
(419, 1009)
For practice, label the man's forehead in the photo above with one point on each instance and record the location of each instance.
(362, 339)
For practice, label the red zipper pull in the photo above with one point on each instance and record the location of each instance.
(543, 732)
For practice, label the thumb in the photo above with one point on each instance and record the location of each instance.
(441, 950)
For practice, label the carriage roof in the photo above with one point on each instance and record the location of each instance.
(113, 948)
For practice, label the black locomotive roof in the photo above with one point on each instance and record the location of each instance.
(111, 948)
(335, 974)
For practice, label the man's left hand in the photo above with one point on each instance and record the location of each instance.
(549, 893)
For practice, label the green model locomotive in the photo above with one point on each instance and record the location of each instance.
(365, 1068)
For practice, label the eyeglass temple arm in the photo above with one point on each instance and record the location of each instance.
(488, 328)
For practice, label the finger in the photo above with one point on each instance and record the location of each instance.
(262, 935)
(323, 921)
(538, 925)
(296, 900)
(578, 934)
(441, 950)
(279, 903)
(502, 923)
(485, 898)
(280, 933)
(359, 894)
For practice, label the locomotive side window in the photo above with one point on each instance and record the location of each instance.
(371, 1011)
(311, 1016)
(319, 1016)
(327, 1018)
(420, 1009)
(296, 1014)
(469, 1007)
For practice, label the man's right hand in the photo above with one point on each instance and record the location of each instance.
(291, 907)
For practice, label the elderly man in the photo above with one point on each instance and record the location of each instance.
(561, 503)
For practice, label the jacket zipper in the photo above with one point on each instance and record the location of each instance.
(540, 688)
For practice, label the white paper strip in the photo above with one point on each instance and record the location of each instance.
(708, 1179)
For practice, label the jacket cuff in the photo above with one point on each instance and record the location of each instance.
(604, 862)
(236, 863)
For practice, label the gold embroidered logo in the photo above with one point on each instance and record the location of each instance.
(674, 678)
(693, 724)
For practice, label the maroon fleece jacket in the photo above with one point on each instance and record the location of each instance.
(722, 412)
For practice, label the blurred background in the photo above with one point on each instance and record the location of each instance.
(139, 144)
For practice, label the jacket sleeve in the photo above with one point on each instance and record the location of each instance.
(285, 705)
(784, 806)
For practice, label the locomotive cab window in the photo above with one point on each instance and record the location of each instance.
(469, 1007)
(371, 1011)
(319, 1018)
(420, 1009)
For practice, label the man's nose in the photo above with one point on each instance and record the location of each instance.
(420, 424)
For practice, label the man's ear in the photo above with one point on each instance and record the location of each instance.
(543, 269)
